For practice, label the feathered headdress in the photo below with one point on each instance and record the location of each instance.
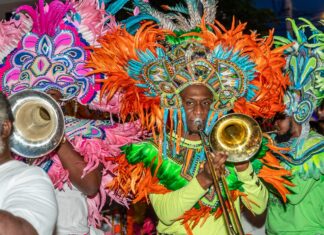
(178, 17)
(241, 70)
(52, 54)
(305, 68)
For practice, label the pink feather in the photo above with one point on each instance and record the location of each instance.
(113, 106)
(96, 203)
(136, 11)
(58, 174)
(14, 29)
(148, 226)
(47, 17)
(95, 22)
(96, 151)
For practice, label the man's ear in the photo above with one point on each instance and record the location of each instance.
(297, 128)
(6, 129)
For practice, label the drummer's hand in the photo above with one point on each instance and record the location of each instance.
(205, 177)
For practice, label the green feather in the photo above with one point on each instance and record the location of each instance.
(296, 30)
(169, 173)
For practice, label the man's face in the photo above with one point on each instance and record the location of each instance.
(283, 125)
(320, 113)
(196, 100)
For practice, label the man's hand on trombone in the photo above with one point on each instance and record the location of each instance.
(205, 177)
(218, 160)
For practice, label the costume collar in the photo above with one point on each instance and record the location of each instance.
(186, 143)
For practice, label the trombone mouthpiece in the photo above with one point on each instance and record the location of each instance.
(199, 123)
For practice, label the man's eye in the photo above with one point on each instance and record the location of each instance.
(207, 103)
(189, 103)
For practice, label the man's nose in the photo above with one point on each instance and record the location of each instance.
(198, 109)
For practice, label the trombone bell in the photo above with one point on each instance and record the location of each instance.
(238, 135)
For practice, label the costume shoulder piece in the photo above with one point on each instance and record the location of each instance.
(308, 161)
(305, 66)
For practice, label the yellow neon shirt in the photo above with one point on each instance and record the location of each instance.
(171, 206)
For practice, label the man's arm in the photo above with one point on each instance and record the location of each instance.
(10, 224)
(30, 197)
(256, 192)
(74, 163)
(172, 205)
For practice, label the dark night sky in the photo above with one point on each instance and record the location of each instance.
(310, 9)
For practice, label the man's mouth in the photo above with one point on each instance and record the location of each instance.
(198, 123)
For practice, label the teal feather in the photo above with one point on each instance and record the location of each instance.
(132, 23)
(116, 6)
(308, 68)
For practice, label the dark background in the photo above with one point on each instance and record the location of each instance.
(260, 14)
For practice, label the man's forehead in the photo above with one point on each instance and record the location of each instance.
(198, 91)
(197, 97)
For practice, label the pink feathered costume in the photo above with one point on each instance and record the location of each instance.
(45, 48)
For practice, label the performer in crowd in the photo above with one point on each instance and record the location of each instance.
(47, 52)
(27, 199)
(179, 78)
(303, 148)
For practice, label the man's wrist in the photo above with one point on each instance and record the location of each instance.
(203, 180)
(241, 166)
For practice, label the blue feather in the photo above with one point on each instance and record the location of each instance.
(184, 119)
(208, 128)
(133, 23)
(251, 92)
(116, 6)
(165, 141)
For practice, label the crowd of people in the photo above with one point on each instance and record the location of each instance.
(141, 101)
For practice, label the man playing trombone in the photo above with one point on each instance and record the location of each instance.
(171, 206)
(179, 80)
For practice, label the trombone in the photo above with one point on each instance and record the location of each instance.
(239, 136)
